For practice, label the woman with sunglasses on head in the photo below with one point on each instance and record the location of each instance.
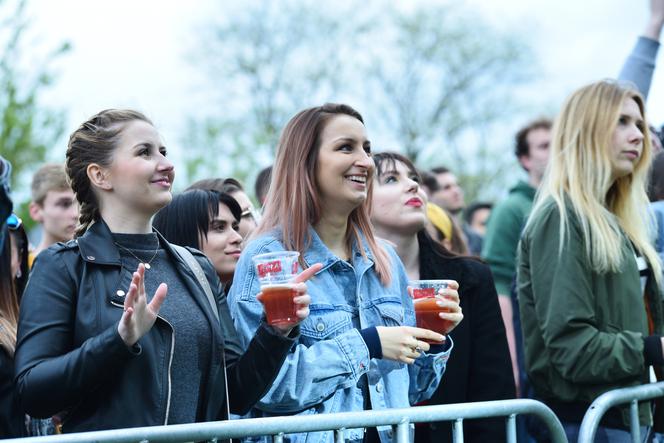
(359, 349)
(207, 221)
(248, 217)
(119, 328)
(480, 369)
(18, 240)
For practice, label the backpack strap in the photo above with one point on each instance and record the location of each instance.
(195, 267)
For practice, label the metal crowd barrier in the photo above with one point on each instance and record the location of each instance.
(616, 397)
(399, 419)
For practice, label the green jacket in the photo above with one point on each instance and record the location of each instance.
(503, 232)
(583, 331)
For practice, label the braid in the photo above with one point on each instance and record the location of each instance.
(94, 142)
(89, 213)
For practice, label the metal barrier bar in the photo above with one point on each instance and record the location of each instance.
(403, 431)
(339, 435)
(617, 397)
(511, 428)
(634, 421)
(312, 423)
(457, 432)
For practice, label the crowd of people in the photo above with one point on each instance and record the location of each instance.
(138, 307)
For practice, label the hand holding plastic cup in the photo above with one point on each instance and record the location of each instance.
(276, 273)
(426, 298)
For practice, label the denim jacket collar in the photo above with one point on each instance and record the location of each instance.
(318, 252)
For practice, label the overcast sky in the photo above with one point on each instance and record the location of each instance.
(134, 53)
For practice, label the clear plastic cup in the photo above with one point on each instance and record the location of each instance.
(276, 272)
(425, 299)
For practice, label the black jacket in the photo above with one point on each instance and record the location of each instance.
(70, 357)
(479, 368)
(12, 420)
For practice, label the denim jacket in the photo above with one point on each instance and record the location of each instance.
(323, 372)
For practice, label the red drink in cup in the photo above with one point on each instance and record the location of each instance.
(278, 303)
(276, 272)
(425, 300)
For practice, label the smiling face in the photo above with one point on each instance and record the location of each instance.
(140, 177)
(223, 244)
(344, 166)
(627, 140)
(398, 202)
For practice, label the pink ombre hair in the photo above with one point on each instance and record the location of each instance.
(293, 202)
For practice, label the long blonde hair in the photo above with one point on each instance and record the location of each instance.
(293, 202)
(579, 177)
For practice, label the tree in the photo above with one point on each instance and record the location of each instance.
(272, 60)
(27, 128)
(435, 80)
(442, 80)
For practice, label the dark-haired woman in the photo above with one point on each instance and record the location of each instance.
(480, 369)
(359, 349)
(248, 217)
(207, 221)
(98, 337)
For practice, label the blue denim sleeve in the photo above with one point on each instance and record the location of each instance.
(310, 374)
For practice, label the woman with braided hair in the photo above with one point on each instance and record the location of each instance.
(97, 331)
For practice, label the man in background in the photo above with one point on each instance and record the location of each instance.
(53, 206)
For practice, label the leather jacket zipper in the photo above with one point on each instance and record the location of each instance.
(170, 361)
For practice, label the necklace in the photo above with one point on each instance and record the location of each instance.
(146, 264)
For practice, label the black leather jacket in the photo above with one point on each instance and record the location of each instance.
(70, 357)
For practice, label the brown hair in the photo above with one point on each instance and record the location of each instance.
(50, 177)
(221, 185)
(8, 299)
(293, 203)
(521, 147)
(94, 142)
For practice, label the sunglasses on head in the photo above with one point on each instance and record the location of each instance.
(14, 222)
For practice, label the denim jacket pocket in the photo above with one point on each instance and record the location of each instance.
(391, 312)
(324, 322)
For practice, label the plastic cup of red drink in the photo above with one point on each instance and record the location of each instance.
(426, 295)
(276, 272)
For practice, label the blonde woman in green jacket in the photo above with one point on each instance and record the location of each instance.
(587, 273)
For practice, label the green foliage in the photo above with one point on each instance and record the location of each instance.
(270, 61)
(27, 129)
(435, 80)
(444, 80)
